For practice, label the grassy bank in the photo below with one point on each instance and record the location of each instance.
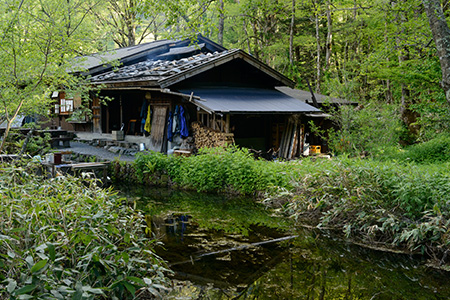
(397, 203)
(65, 238)
(386, 203)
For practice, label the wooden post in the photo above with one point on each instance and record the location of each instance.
(107, 120)
(96, 115)
(121, 111)
(227, 124)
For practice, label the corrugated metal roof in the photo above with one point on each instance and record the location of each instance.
(248, 100)
(161, 49)
(99, 59)
(305, 96)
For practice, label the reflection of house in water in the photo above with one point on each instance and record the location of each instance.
(166, 91)
(207, 256)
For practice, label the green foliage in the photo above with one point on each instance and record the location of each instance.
(220, 169)
(38, 42)
(37, 144)
(371, 129)
(216, 169)
(382, 201)
(434, 151)
(61, 239)
(151, 163)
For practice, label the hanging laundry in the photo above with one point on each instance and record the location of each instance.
(144, 109)
(174, 121)
(184, 132)
(148, 120)
(143, 115)
(169, 127)
(177, 116)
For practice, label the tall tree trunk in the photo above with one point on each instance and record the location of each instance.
(130, 23)
(407, 115)
(388, 94)
(256, 47)
(316, 20)
(9, 121)
(291, 34)
(441, 36)
(329, 36)
(221, 23)
(249, 48)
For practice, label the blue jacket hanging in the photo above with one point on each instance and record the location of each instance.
(169, 127)
(184, 132)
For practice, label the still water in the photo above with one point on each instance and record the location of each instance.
(233, 248)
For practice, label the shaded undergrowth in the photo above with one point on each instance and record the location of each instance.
(65, 238)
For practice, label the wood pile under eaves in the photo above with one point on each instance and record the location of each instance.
(209, 138)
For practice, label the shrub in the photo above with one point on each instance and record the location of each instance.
(147, 163)
(370, 128)
(436, 150)
(61, 239)
(214, 169)
(385, 201)
(235, 169)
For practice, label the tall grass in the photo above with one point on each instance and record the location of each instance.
(388, 202)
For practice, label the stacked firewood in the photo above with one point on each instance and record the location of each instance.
(209, 138)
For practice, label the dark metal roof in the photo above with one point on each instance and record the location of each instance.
(247, 100)
(306, 97)
(98, 59)
(182, 51)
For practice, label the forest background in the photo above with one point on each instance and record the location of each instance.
(380, 53)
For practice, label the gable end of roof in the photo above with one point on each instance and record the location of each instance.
(220, 60)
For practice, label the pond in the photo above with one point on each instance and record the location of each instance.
(234, 248)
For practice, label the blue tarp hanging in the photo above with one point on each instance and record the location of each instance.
(184, 132)
(169, 127)
(177, 124)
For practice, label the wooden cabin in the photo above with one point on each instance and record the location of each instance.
(178, 95)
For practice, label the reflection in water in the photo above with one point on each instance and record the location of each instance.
(225, 248)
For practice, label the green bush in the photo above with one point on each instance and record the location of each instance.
(214, 170)
(436, 150)
(232, 169)
(64, 238)
(384, 201)
(371, 129)
(148, 163)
